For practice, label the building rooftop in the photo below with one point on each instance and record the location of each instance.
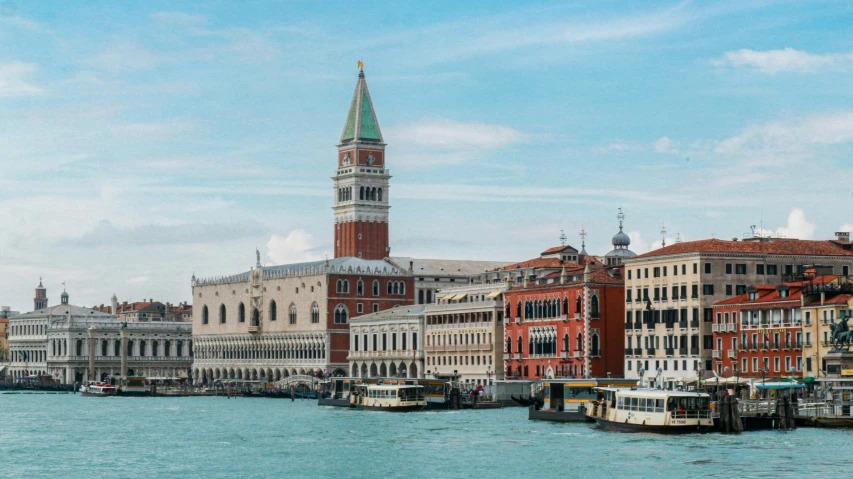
(768, 247)
(446, 267)
(413, 310)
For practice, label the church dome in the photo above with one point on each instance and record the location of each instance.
(621, 239)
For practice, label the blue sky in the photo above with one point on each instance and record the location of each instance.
(144, 142)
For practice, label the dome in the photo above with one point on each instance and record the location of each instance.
(621, 239)
(64, 294)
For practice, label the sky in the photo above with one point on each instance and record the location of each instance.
(144, 142)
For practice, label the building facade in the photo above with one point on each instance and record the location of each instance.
(825, 304)
(464, 333)
(432, 275)
(566, 325)
(388, 343)
(55, 341)
(670, 294)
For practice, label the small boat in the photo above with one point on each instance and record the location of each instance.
(393, 398)
(651, 410)
(566, 400)
(98, 390)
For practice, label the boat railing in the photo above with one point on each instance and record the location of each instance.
(703, 414)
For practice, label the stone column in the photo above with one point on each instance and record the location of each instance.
(125, 334)
(92, 332)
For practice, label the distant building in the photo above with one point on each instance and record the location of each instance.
(54, 341)
(5, 313)
(388, 343)
(464, 333)
(432, 275)
(147, 311)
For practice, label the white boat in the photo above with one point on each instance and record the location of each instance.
(98, 390)
(651, 410)
(394, 398)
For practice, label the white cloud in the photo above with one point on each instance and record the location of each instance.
(138, 279)
(638, 244)
(179, 18)
(785, 60)
(14, 80)
(797, 227)
(791, 135)
(446, 133)
(664, 145)
(618, 146)
(297, 246)
(846, 227)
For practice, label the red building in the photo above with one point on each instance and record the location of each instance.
(566, 324)
(759, 333)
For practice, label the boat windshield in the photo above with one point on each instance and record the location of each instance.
(688, 404)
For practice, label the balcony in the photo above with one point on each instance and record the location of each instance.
(774, 346)
(670, 352)
(682, 351)
(629, 327)
(485, 347)
(682, 324)
(764, 346)
(694, 323)
(786, 346)
(565, 354)
(717, 354)
(577, 354)
(753, 347)
(517, 356)
(629, 352)
(731, 354)
(650, 351)
(638, 325)
(638, 351)
(578, 316)
(715, 328)
(255, 329)
(732, 327)
(694, 351)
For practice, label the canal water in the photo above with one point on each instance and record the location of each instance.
(69, 436)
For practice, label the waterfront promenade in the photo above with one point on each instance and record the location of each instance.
(69, 436)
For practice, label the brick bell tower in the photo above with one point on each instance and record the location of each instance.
(361, 182)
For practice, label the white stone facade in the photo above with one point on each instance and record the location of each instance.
(388, 343)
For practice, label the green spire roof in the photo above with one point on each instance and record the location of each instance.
(361, 120)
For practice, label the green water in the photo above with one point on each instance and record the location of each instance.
(70, 436)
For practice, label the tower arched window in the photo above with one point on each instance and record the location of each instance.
(204, 315)
(241, 313)
(341, 314)
(339, 286)
(402, 287)
(117, 348)
(375, 287)
(104, 345)
(520, 348)
(379, 196)
(566, 342)
(359, 288)
(315, 313)
(509, 345)
(221, 314)
(291, 318)
(345, 286)
(593, 306)
(390, 287)
(578, 305)
(594, 346)
(361, 193)
(273, 310)
(579, 345)
(565, 305)
(256, 317)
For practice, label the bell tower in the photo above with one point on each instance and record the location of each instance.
(361, 182)
(40, 301)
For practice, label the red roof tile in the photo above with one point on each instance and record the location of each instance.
(774, 246)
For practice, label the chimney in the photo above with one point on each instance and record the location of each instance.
(842, 237)
(563, 276)
(411, 265)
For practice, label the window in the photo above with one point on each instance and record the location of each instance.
(375, 288)
(708, 315)
(629, 274)
(759, 269)
(728, 268)
(740, 268)
(740, 289)
(656, 272)
(728, 290)
(221, 314)
(274, 311)
(341, 314)
(315, 313)
(291, 317)
(707, 268)
(359, 288)
(695, 268)
(664, 271)
(241, 313)
(694, 291)
(845, 270)
(375, 307)
(707, 289)
(204, 317)
(359, 308)
(772, 270)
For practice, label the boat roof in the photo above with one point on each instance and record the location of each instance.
(648, 392)
(393, 386)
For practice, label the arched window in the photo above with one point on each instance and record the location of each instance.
(129, 347)
(104, 348)
(518, 310)
(315, 313)
(221, 314)
(593, 306)
(142, 348)
(373, 194)
(579, 345)
(339, 286)
(79, 347)
(204, 315)
(273, 310)
(566, 342)
(291, 319)
(565, 305)
(380, 195)
(241, 313)
(117, 347)
(509, 345)
(396, 288)
(167, 348)
(154, 346)
(256, 317)
(361, 193)
(429, 296)
(578, 305)
(594, 345)
(359, 288)
(402, 287)
(375, 287)
(180, 352)
(341, 314)
(390, 287)
(520, 348)
(345, 286)
(421, 297)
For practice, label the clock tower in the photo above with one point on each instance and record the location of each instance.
(361, 182)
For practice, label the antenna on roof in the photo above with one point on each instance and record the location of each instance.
(563, 238)
(662, 234)
(678, 238)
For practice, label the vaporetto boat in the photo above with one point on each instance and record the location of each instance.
(651, 410)
(394, 398)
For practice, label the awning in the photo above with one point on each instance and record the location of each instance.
(495, 294)
(779, 385)
(182, 374)
(447, 297)
(460, 296)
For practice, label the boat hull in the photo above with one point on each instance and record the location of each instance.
(557, 416)
(97, 395)
(627, 427)
(419, 407)
(333, 402)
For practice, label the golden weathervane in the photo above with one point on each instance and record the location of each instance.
(360, 65)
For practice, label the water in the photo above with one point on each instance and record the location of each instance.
(70, 436)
